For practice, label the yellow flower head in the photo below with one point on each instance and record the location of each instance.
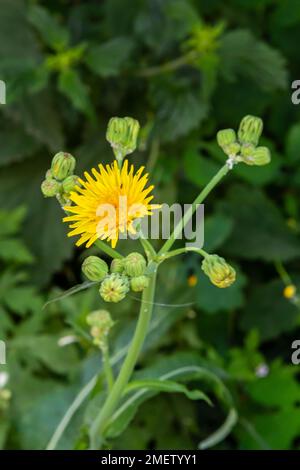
(109, 203)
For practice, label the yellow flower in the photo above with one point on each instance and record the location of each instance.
(289, 291)
(109, 203)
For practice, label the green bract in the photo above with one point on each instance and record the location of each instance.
(94, 268)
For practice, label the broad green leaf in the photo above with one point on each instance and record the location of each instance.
(211, 299)
(268, 311)
(53, 34)
(198, 169)
(14, 251)
(15, 143)
(244, 55)
(259, 231)
(71, 85)
(178, 108)
(217, 228)
(107, 59)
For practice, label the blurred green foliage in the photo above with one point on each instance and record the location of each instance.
(184, 69)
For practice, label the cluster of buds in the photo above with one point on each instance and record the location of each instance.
(243, 147)
(124, 273)
(122, 134)
(60, 180)
(220, 273)
(100, 323)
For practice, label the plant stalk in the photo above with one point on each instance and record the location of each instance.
(189, 214)
(112, 401)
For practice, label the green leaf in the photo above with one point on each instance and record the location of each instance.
(15, 143)
(198, 169)
(293, 144)
(39, 115)
(180, 367)
(212, 299)
(217, 229)
(167, 386)
(178, 108)
(44, 232)
(15, 251)
(244, 55)
(53, 34)
(71, 85)
(268, 311)
(270, 239)
(108, 58)
(11, 221)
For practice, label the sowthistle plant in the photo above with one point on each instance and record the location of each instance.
(87, 204)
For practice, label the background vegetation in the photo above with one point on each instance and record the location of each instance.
(185, 69)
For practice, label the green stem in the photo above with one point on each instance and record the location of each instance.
(148, 248)
(180, 251)
(107, 368)
(111, 403)
(189, 214)
(283, 273)
(168, 66)
(108, 249)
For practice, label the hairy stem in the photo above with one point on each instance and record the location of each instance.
(112, 401)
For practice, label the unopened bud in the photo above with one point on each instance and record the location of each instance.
(250, 130)
(220, 273)
(226, 137)
(139, 283)
(117, 265)
(94, 268)
(69, 184)
(100, 322)
(122, 135)
(63, 165)
(114, 288)
(50, 187)
(135, 264)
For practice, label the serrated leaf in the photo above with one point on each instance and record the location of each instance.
(178, 108)
(53, 34)
(108, 58)
(242, 54)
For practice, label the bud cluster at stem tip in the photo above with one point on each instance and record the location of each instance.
(60, 180)
(243, 146)
(124, 273)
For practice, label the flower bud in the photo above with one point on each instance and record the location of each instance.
(117, 265)
(139, 283)
(135, 264)
(220, 273)
(100, 322)
(50, 187)
(250, 130)
(226, 137)
(63, 165)
(232, 149)
(122, 135)
(70, 183)
(94, 268)
(261, 156)
(48, 175)
(114, 288)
